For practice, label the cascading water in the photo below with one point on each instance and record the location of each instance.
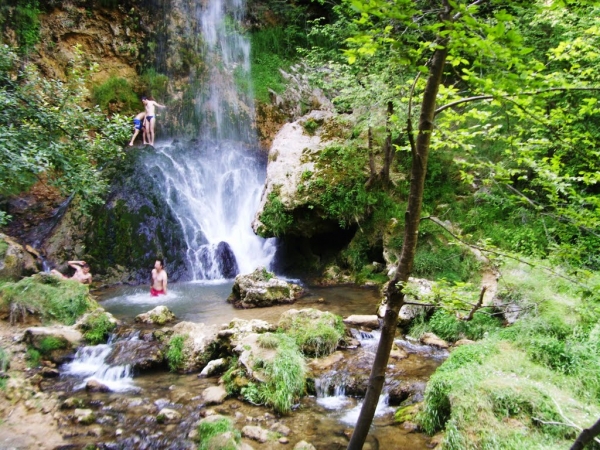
(213, 186)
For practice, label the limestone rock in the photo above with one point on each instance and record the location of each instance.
(303, 445)
(96, 386)
(433, 340)
(167, 415)
(56, 343)
(214, 395)
(370, 322)
(157, 316)
(15, 261)
(213, 367)
(139, 354)
(255, 433)
(262, 288)
(199, 344)
(84, 416)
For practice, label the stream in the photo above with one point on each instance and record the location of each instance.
(126, 417)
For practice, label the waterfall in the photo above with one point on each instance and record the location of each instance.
(90, 363)
(213, 184)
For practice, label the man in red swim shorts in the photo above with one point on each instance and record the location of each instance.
(159, 279)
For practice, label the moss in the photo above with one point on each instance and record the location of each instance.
(274, 217)
(54, 299)
(209, 432)
(97, 327)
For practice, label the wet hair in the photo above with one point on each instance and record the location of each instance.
(161, 261)
(144, 97)
(85, 266)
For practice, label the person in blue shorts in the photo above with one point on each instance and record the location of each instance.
(139, 122)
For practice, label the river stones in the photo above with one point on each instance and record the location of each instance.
(262, 288)
(255, 433)
(214, 395)
(199, 345)
(434, 341)
(370, 322)
(214, 367)
(303, 445)
(157, 316)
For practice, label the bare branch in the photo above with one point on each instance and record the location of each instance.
(477, 305)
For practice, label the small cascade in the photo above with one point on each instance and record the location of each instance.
(412, 345)
(90, 363)
(331, 390)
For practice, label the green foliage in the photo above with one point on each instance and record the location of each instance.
(116, 95)
(54, 299)
(447, 326)
(51, 343)
(175, 353)
(207, 430)
(285, 376)
(311, 126)
(98, 327)
(315, 334)
(274, 217)
(46, 130)
(155, 83)
(4, 360)
(25, 17)
(33, 357)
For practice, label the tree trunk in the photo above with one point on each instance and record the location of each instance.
(395, 294)
(388, 148)
(586, 436)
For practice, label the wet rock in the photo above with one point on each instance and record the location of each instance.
(215, 366)
(226, 262)
(303, 445)
(250, 351)
(158, 316)
(434, 341)
(167, 415)
(72, 403)
(398, 353)
(326, 363)
(281, 429)
(262, 288)
(15, 261)
(225, 440)
(283, 440)
(370, 322)
(55, 343)
(214, 395)
(84, 416)
(255, 433)
(49, 372)
(96, 386)
(236, 331)
(139, 354)
(199, 345)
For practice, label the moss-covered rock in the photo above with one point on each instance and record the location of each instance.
(157, 316)
(135, 226)
(15, 261)
(262, 288)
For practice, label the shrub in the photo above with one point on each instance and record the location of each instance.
(54, 299)
(4, 360)
(317, 334)
(175, 353)
(116, 95)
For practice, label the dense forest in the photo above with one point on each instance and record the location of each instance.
(463, 146)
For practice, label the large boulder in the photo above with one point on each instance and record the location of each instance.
(157, 316)
(55, 343)
(199, 345)
(140, 354)
(292, 156)
(15, 260)
(235, 333)
(262, 288)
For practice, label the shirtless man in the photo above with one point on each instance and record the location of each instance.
(82, 272)
(159, 279)
(150, 106)
(138, 125)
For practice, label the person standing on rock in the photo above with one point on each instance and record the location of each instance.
(138, 125)
(159, 279)
(150, 106)
(82, 272)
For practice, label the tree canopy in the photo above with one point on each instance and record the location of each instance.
(47, 131)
